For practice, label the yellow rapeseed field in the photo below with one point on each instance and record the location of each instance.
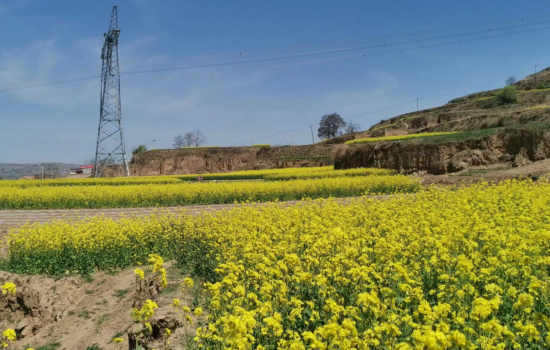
(104, 181)
(151, 195)
(464, 268)
(329, 173)
(400, 137)
(268, 174)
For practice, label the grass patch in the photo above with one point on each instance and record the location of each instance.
(533, 126)
(440, 137)
(461, 136)
(121, 293)
(50, 346)
(485, 98)
(102, 319)
(94, 347)
(533, 90)
(85, 314)
(537, 107)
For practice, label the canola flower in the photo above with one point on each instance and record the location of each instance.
(8, 288)
(463, 268)
(400, 137)
(280, 174)
(198, 193)
(330, 173)
(108, 181)
(8, 336)
(144, 314)
(139, 273)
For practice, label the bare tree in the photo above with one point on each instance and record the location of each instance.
(179, 141)
(190, 139)
(352, 128)
(330, 126)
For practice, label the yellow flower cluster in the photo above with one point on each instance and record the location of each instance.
(8, 336)
(159, 271)
(144, 314)
(8, 288)
(197, 193)
(400, 137)
(463, 268)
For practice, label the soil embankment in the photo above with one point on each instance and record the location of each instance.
(517, 145)
(222, 159)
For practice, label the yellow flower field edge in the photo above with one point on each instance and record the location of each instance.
(163, 179)
(199, 193)
(400, 137)
(107, 181)
(331, 173)
(268, 174)
(460, 268)
(288, 173)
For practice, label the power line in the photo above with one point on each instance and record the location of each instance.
(384, 44)
(314, 54)
(341, 50)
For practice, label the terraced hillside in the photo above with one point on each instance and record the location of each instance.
(509, 126)
(480, 110)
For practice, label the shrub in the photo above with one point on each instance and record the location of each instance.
(507, 95)
(139, 149)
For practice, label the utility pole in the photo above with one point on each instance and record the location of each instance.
(110, 148)
(417, 104)
(312, 137)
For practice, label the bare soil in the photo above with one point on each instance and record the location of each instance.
(76, 312)
(491, 173)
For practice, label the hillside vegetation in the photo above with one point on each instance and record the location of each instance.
(507, 126)
(488, 109)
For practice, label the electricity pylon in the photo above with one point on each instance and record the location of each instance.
(110, 149)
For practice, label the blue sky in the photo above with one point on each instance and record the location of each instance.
(44, 42)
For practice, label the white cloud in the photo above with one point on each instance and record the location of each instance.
(231, 105)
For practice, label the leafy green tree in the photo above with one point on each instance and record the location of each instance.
(507, 95)
(139, 149)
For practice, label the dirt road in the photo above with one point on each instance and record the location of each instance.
(14, 218)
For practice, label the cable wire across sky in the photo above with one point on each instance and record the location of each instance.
(468, 36)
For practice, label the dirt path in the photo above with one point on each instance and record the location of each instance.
(10, 219)
(14, 218)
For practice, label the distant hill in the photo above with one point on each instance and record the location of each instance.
(15, 171)
(480, 110)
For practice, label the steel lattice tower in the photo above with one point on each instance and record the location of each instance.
(110, 147)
